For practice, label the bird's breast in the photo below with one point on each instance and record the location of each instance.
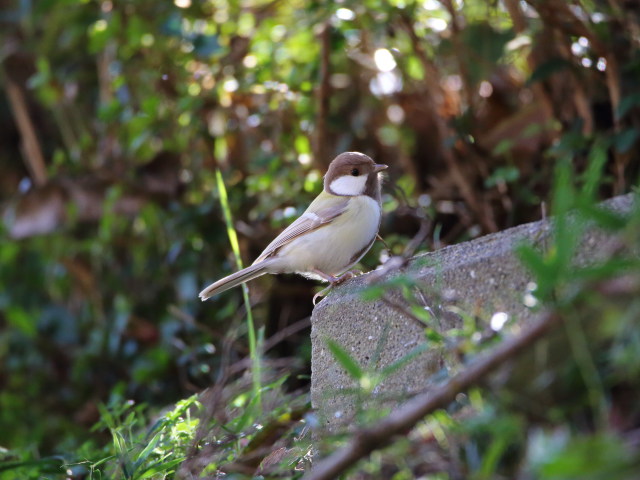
(334, 248)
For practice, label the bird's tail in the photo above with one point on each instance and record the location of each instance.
(233, 280)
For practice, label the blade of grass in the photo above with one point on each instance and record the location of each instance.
(345, 360)
(233, 239)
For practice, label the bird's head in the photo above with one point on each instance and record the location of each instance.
(353, 173)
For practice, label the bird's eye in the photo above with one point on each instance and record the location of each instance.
(355, 172)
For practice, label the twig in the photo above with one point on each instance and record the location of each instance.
(400, 421)
(271, 342)
(32, 152)
(378, 237)
(212, 397)
(434, 97)
(402, 310)
(434, 91)
(286, 332)
(264, 442)
(399, 262)
(418, 238)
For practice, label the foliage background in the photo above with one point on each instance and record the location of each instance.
(116, 114)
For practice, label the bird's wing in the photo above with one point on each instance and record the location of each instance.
(321, 212)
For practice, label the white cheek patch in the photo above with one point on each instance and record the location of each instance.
(349, 185)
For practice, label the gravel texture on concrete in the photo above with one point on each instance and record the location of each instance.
(479, 278)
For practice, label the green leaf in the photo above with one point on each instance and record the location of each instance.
(504, 146)
(491, 457)
(604, 217)
(18, 318)
(302, 144)
(148, 450)
(398, 364)
(546, 69)
(610, 269)
(627, 103)
(414, 68)
(483, 47)
(344, 359)
(591, 457)
(502, 175)
(563, 189)
(433, 336)
(161, 467)
(47, 464)
(626, 139)
(206, 45)
(423, 313)
(373, 292)
(593, 174)
(248, 416)
(533, 260)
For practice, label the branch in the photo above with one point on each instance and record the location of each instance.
(431, 72)
(517, 17)
(402, 420)
(324, 95)
(560, 15)
(402, 311)
(463, 64)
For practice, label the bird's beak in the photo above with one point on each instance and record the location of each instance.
(378, 167)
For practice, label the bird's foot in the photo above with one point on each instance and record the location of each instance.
(333, 281)
(354, 273)
(321, 294)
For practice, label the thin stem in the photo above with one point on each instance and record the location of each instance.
(235, 246)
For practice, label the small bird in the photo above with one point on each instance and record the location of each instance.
(331, 236)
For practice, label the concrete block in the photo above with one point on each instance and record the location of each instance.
(479, 277)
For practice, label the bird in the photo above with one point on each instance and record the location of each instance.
(331, 236)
